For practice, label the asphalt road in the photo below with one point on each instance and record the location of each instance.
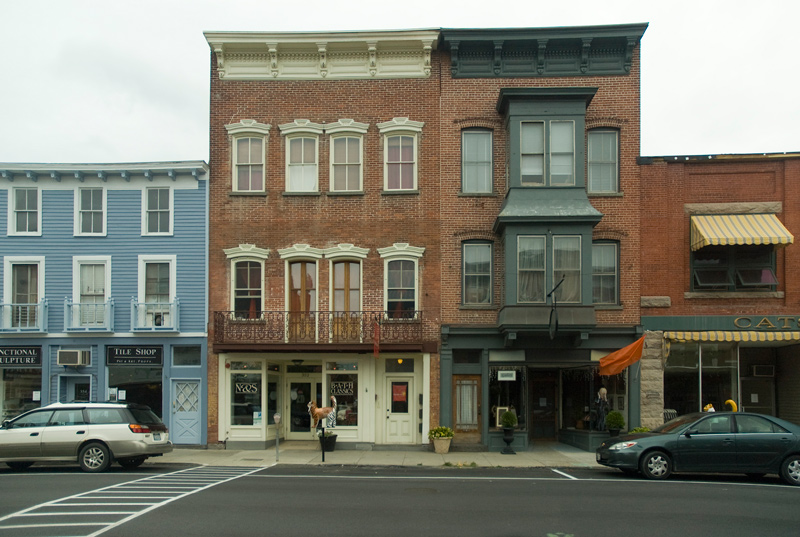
(388, 501)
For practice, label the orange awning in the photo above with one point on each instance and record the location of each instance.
(615, 362)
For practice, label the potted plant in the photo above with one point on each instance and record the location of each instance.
(441, 437)
(508, 421)
(328, 441)
(614, 422)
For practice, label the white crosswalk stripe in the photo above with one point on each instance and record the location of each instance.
(94, 512)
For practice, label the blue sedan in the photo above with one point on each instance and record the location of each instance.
(724, 442)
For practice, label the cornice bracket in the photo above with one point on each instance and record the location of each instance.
(586, 47)
(629, 53)
(322, 50)
(498, 57)
(540, 55)
(454, 57)
(219, 52)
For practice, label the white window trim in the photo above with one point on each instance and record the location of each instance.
(171, 212)
(79, 260)
(347, 128)
(302, 128)
(77, 212)
(474, 131)
(12, 221)
(245, 252)
(331, 289)
(400, 126)
(248, 128)
(9, 261)
(346, 252)
(173, 270)
(401, 251)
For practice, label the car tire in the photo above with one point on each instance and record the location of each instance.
(19, 466)
(94, 457)
(131, 463)
(790, 470)
(656, 465)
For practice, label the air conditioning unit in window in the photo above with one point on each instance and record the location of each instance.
(73, 358)
(763, 370)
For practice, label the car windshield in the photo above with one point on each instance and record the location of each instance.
(144, 415)
(675, 424)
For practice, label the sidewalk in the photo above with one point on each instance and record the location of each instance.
(542, 454)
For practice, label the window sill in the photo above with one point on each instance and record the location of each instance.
(605, 194)
(725, 295)
(345, 193)
(295, 194)
(487, 307)
(463, 194)
(247, 194)
(399, 192)
(608, 307)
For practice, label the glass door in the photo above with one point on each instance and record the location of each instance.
(400, 411)
(301, 392)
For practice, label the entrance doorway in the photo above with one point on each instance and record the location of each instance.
(544, 403)
(186, 415)
(467, 408)
(301, 390)
(400, 410)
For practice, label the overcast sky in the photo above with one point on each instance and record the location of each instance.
(127, 81)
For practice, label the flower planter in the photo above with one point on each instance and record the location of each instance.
(328, 443)
(441, 445)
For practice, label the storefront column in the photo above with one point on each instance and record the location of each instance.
(446, 389)
(651, 375)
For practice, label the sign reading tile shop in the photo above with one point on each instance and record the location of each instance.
(135, 355)
(21, 356)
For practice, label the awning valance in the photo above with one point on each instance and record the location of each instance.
(738, 229)
(742, 336)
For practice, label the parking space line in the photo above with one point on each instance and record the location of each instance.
(564, 474)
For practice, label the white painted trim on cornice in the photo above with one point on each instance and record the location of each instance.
(301, 250)
(346, 250)
(401, 249)
(247, 250)
(400, 124)
(346, 125)
(248, 125)
(301, 125)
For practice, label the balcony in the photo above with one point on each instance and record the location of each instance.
(340, 331)
(89, 317)
(155, 316)
(24, 317)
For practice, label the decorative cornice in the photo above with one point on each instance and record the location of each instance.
(301, 250)
(301, 125)
(248, 125)
(60, 173)
(346, 125)
(346, 250)
(401, 249)
(323, 55)
(400, 124)
(247, 250)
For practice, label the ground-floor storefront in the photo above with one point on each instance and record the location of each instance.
(167, 374)
(552, 385)
(378, 401)
(750, 360)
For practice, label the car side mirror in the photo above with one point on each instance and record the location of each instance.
(5, 424)
(689, 433)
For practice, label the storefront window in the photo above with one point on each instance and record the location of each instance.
(20, 391)
(588, 397)
(186, 356)
(343, 384)
(698, 374)
(507, 392)
(246, 400)
(136, 384)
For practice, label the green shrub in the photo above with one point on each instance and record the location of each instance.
(615, 420)
(508, 419)
(640, 430)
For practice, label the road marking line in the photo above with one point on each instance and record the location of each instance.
(564, 474)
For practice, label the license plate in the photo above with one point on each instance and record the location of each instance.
(156, 436)
(598, 456)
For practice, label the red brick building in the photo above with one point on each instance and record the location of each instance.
(721, 293)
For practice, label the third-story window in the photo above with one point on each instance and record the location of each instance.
(90, 211)
(531, 266)
(477, 273)
(302, 164)
(603, 161)
(562, 153)
(400, 162)
(345, 164)
(157, 212)
(567, 267)
(605, 275)
(547, 153)
(476, 161)
(26, 215)
(532, 153)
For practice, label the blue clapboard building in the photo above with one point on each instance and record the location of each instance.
(103, 295)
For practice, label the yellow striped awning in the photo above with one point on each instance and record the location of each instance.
(742, 336)
(738, 229)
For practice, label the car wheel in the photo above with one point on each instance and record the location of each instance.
(132, 463)
(94, 458)
(19, 466)
(656, 465)
(790, 470)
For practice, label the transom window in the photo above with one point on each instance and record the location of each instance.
(547, 150)
(25, 217)
(345, 163)
(605, 274)
(476, 161)
(477, 274)
(91, 213)
(603, 161)
(734, 268)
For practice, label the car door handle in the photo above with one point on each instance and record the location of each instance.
(34, 434)
(80, 432)
(727, 441)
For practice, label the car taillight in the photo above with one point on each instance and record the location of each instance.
(136, 428)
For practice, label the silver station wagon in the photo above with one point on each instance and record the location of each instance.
(92, 434)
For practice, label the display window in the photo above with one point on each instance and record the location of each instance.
(342, 380)
(246, 389)
(698, 374)
(20, 391)
(507, 385)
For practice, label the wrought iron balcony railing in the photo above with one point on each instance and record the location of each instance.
(155, 316)
(89, 317)
(24, 317)
(320, 327)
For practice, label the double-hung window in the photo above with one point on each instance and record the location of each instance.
(247, 289)
(401, 280)
(25, 217)
(531, 257)
(23, 289)
(302, 155)
(158, 211)
(91, 217)
(91, 290)
(477, 274)
(547, 153)
(567, 267)
(476, 161)
(401, 148)
(603, 161)
(248, 155)
(346, 155)
(605, 273)
(157, 276)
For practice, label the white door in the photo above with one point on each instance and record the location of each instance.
(400, 410)
(185, 421)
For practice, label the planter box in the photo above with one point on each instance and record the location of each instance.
(441, 445)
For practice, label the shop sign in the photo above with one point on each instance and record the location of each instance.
(135, 355)
(507, 375)
(341, 388)
(21, 356)
(246, 387)
(781, 322)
